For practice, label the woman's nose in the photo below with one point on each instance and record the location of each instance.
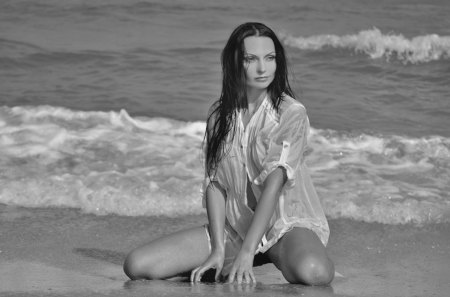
(261, 67)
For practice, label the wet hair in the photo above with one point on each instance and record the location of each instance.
(234, 96)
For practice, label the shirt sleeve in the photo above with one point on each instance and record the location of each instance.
(205, 184)
(207, 179)
(286, 145)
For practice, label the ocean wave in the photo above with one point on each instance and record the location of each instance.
(375, 44)
(380, 178)
(100, 162)
(113, 163)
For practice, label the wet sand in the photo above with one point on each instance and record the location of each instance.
(62, 252)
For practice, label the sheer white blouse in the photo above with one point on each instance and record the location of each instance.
(270, 140)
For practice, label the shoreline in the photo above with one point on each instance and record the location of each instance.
(47, 252)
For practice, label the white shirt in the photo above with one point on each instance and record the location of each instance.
(271, 140)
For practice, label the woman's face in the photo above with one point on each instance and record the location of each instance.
(259, 62)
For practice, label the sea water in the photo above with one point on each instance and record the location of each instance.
(103, 103)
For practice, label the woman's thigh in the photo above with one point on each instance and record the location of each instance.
(169, 255)
(302, 258)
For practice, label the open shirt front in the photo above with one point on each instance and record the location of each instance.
(269, 141)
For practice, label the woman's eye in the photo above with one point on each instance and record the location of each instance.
(271, 58)
(249, 59)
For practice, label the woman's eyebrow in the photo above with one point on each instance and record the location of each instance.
(249, 54)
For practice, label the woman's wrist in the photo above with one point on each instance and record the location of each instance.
(218, 248)
(248, 248)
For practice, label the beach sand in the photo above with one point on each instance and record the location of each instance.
(63, 252)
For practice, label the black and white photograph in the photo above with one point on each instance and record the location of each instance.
(225, 148)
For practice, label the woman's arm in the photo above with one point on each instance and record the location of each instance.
(242, 266)
(215, 208)
(264, 209)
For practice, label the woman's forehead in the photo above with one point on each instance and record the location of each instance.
(258, 45)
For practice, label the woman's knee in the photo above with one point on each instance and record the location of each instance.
(311, 270)
(137, 267)
(132, 267)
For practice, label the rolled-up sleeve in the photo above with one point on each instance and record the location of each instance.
(286, 145)
(205, 185)
(216, 175)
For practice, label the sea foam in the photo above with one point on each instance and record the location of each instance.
(374, 43)
(113, 163)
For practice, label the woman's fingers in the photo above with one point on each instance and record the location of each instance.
(197, 273)
(246, 279)
(194, 274)
(252, 276)
(231, 275)
(240, 276)
(217, 276)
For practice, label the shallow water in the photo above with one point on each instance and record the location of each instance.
(64, 252)
(375, 84)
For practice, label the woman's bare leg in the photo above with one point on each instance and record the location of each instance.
(302, 258)
(168, 256)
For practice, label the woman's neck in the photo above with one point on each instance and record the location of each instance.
(255, 97)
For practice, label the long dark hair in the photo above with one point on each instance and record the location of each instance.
(234, 96)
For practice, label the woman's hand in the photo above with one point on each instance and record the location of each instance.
(242, 269)
(215, 260)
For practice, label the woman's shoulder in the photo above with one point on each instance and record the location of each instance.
(212, 109)
(212, 112)
(291, 107)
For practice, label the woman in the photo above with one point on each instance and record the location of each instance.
(257, 189)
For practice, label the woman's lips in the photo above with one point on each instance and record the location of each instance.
(262, 78)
